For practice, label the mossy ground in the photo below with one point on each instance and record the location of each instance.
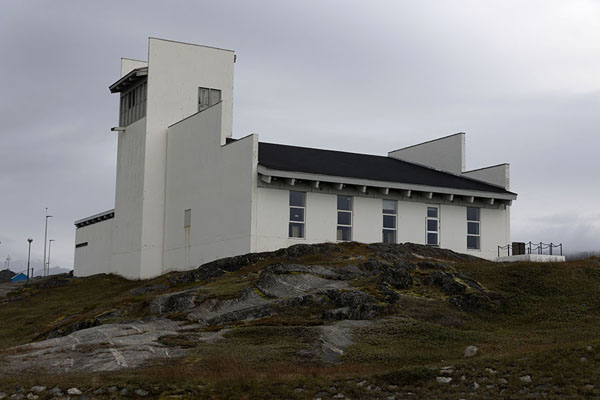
(549, 317)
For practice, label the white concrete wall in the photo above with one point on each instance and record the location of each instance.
(129, 195)
(218, 184)
(321, 220)
(498, 175)
(175, 71)
(129, 64)
(446, 154)
(95, 258)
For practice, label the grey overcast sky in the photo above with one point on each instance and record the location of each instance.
(521, 78)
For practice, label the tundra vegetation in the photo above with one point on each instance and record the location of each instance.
(322, 321)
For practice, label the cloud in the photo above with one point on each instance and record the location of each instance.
(520, 78)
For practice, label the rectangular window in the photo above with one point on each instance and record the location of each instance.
(208, 97)
(473, 228)
(297, 214)
(187, 218)
(133, 104)
(344, 218)
(432, 226)
(390, 211)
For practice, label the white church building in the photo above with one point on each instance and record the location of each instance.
(188, 193)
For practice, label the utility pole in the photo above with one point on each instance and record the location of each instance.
(49, 248)
(29, 257)
(45, 240)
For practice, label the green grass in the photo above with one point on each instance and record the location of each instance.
(549, 314)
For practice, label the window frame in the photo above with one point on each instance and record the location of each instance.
(209, 96)
(478, 223)
(132, 105)
(290, 221)
(187, 218)
(384, 214)
(349, 211)
(438, 221)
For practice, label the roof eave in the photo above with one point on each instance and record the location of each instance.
(128, 79)
(268, 172)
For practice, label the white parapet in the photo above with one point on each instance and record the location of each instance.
(532, 258)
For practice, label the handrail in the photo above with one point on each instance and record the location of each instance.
(533, 248)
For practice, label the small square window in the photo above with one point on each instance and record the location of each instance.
(344, 233)
(297, 199)
(432, 212)
(344, 203)
(187, 218)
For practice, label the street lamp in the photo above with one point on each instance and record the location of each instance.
(29, 257)
(49, 248)
(45, 240)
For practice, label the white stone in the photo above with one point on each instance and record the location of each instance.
(444, 379)
(74, 391)
(471, 351)
(525, 378)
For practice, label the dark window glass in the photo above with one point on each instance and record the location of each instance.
(389, 206)
(344, 218)
(473, 228)
(297, 199)
(344, 233)
(344, 203)
(472, 242)
(297, 214)
(389, 236)
(389, 221)
(432, 212)
(432, 238)
(432, 225)
(472, 214)
(296, 230)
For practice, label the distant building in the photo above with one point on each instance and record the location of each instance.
(20, 277)
(187, 193)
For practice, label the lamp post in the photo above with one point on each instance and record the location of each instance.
(45, 240)
(29, 257)
(49, 248)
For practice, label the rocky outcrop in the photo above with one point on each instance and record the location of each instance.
(6, 275)
(175, 302)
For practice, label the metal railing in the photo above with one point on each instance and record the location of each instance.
(531, 248)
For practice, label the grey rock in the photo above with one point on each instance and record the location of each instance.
(502, 381)
(99, 391)
(446, 282)
(352, 304)
(141, 392)
(68, 329)
(589, 387)
(471, 351)
(336, 337)
(106, 347)
(113, 389)
(31, 396)
(37, 389)
(56, 391)
(397, 278)
(339, 396)
(148, 289)
(74, 391)
(17, 396)
(124, 392)
(474, 386)
(174, 302)
(3, 395)
(277, 281)
(299, 390)
(525, 378)
(444, 379)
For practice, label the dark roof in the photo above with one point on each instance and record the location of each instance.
(362, 166)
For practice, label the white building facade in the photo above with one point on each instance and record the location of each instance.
(187, 193)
